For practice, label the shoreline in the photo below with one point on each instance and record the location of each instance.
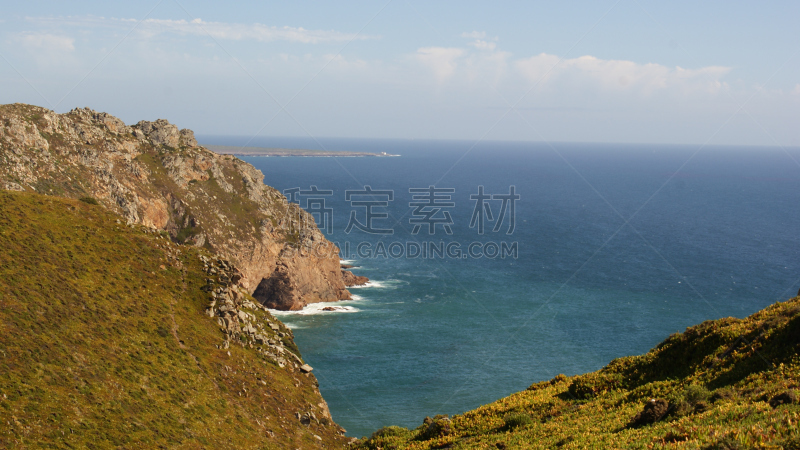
(284, 152)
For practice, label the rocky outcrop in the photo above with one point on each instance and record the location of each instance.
(353, 280)
(155, 174)
(232, 307)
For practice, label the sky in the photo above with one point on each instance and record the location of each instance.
(628, 71)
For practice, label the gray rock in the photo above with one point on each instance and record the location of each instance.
(305, 368)
(160, 132)
(187, 136)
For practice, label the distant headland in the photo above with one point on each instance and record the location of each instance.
(264, 151)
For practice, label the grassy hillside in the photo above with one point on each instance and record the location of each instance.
(723, 384)
(105, 343)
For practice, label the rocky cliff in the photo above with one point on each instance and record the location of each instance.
(156, 175)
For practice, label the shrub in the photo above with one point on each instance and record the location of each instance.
(696, 393)
(593, 384)
(89, 200)
(722, 394)
(694, 398)
(389, 431)
(516, 420)
(439, 426)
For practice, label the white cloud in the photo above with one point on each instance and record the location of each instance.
(218, 30)
(474, 35)
(618, 75)
(482, 62)
(489, 66)
(46, 42)
(483, 45)
(796, 89)
(466, 64)
(238, 32)
(441, 60)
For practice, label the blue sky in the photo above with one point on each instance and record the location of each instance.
(602, 71)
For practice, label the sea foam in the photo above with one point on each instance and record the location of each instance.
(317, 308)
(380, 284)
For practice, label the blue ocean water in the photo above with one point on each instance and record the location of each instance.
(618, 246)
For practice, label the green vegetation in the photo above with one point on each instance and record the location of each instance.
(105, 343)
(89, 200)
(723, 384)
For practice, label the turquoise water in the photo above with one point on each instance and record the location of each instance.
(707, 236)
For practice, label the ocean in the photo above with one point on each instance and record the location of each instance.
(588, 252)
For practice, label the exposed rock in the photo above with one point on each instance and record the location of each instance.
(161, 132)
(305, 368)
(156, 175)
(784, 398)
(351, 279)
(653, 411)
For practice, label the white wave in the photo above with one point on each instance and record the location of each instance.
(347, 261)
(373, 284)
(380, 284)
(317, 308)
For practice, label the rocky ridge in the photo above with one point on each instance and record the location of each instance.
(155, 174)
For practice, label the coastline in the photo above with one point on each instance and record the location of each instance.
(283, 152)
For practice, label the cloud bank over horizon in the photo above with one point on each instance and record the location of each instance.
(244, 77)
(152, 27)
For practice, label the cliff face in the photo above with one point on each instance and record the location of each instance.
(156, 175)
